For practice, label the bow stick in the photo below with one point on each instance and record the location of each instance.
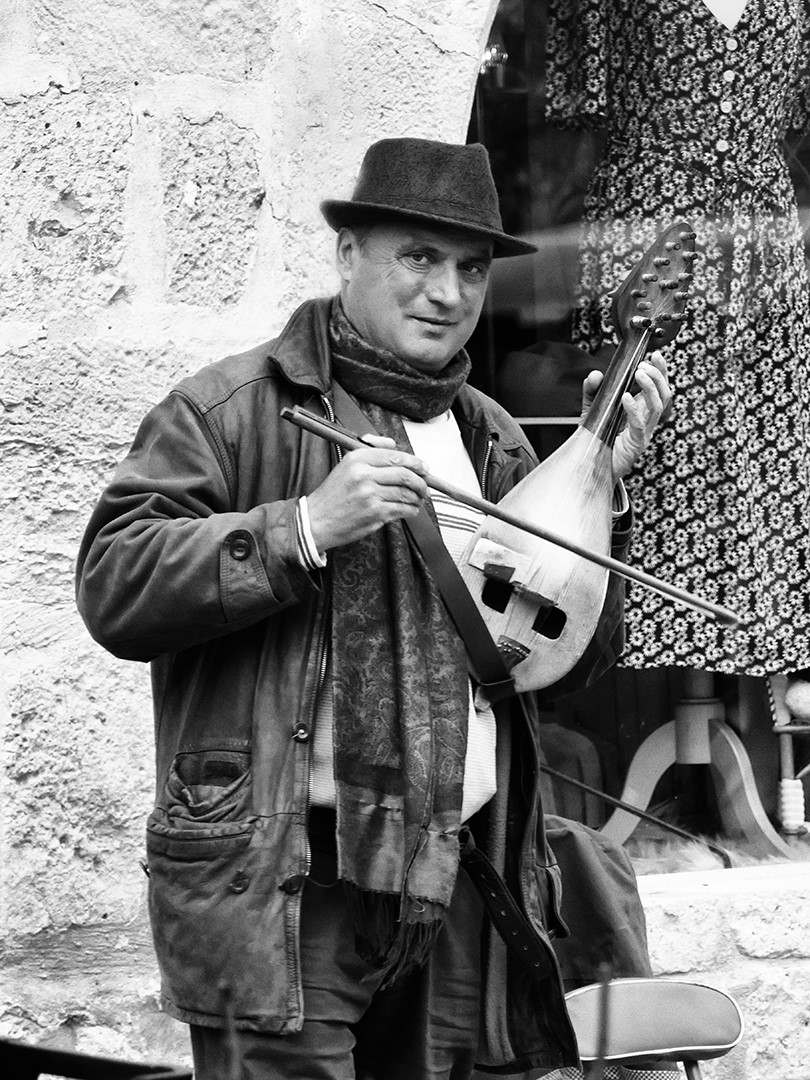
(348, 440)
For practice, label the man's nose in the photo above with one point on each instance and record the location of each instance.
(444, 285)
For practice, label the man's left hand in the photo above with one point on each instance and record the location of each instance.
(642, 410)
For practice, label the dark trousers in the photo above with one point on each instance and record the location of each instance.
(425, 1027)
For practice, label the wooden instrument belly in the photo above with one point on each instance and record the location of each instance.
(541, 602)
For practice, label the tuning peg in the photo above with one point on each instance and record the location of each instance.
(669, 283)
(670, 245)
(677, 316)
(649, 277)
(639, 322)
(638, 292)
(688, 236)
(690, 256)
(659, 260)
(684, 278)
(665, 316)
(660, 332)
(678, 296)
(643, 305)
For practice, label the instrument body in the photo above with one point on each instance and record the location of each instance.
(541, 602)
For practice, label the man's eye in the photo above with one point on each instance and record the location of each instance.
(474, 270)
(418, 257)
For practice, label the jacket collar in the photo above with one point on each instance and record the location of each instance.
(480, 413)
(301, 350)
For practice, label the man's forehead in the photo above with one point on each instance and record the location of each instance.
(450, 240)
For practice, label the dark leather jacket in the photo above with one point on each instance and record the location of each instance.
(190, 562)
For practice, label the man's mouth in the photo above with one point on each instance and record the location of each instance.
(433, 322)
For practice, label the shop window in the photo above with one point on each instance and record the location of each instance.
(542, 171)
(530, 351)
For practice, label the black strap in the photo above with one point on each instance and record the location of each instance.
(487, 665)
(507, 917)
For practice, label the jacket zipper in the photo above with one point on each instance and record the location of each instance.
(485, 467)
(320, 679)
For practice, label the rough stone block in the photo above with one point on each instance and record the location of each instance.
(90, 990)
(773, 926)
(774, 1000)
(675, 946)
(230, 39)
(74, 833)
(64, 173)
(213, 193)
(71, 410)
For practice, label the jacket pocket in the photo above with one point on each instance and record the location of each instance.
(206, 809)
(211, 894)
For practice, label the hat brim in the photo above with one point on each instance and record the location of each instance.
(340, 213)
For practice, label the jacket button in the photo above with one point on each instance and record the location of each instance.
(240, 548)
(240, 882)
(300, 732)
(293, 884)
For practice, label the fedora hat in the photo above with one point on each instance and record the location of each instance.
(432, 183)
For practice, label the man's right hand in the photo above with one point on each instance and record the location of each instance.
(366, 490)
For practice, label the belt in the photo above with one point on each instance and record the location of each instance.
(502, 908)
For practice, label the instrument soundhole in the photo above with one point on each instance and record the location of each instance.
(550, 622)
(497, 594)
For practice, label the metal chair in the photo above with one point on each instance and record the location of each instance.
(650, 1024)
(20, 1061)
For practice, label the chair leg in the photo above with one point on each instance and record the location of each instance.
(692, 1070)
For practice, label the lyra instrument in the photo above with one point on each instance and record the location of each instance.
(541, 590)
(541, 602)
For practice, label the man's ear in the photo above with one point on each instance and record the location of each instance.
(346, 253)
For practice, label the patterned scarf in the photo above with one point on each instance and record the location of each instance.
(400, 692)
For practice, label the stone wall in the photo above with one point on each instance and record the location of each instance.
(162, 164)
(745, 931)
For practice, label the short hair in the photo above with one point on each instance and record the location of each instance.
(362, 231)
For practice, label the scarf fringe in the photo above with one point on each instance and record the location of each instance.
(394, 934)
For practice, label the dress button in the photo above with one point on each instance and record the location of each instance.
(728, 75)
(300, 732)
(726, 106)
(240, 548)
(732, 44)
(722, 145)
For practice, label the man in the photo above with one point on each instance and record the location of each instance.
(319, 741)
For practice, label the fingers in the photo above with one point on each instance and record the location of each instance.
(652, 377)
(379, 440)
(642, 412)
(385, 455)
(590, 384)
(369, 488)
(653, 393)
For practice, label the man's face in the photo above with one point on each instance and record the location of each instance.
(414, 290)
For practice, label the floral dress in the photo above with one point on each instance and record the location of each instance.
(694, 114)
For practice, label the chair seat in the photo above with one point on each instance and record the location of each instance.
(655, 1018)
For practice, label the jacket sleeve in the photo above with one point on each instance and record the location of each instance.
(166, 563)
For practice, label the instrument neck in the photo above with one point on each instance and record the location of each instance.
(605, 414)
